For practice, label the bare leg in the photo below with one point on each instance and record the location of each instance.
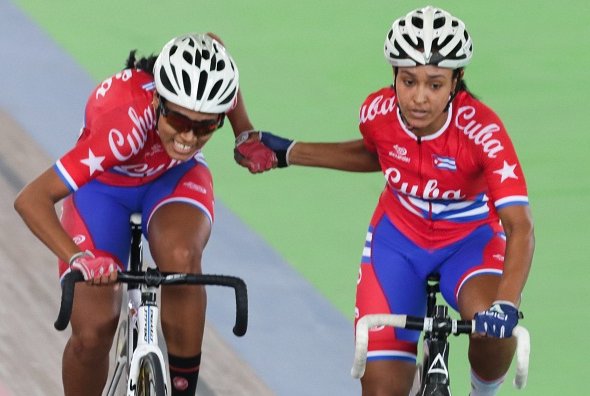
(388, 378)
(178, 233)
(86, 356)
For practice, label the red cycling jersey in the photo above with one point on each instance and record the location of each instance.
(441, 187)
(118, 144)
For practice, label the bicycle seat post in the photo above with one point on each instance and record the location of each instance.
(136, 254)
(432, 288)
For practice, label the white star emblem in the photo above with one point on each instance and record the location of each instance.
(93, 162)
(507, 172)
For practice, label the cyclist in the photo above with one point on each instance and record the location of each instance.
(452, 175)
(139, 150)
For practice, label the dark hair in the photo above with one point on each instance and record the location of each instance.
(144, 63)
(461, 84)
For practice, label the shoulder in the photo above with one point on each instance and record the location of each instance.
(124, 87)
(385, 92)
(119, 94)
(480, 126)
(381, 102)
(466, 106)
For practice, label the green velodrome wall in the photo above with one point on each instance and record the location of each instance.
(306, 66)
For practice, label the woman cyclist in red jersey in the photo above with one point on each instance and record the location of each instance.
(452, 176)
(139, 151)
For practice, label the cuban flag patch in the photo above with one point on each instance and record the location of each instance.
(441, 162)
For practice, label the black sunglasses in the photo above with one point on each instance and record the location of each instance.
(182, 123)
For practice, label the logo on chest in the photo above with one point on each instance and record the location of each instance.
(400, 153)
(430, 189)
(445, 163)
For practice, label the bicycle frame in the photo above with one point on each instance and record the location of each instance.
(434, 378)
(147, 342)
(141, 323)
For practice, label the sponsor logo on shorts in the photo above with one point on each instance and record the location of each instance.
(78, 239)
(195, 187)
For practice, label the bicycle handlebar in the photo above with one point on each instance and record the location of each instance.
(67, 298)
(155, 278)
(447, 326)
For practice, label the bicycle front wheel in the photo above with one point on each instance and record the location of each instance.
(151, 380)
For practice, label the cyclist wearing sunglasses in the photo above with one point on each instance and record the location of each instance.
(139, 151)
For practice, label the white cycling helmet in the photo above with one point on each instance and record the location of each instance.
(196, 72)
(428, 36)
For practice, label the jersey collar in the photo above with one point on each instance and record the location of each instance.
(427, 137)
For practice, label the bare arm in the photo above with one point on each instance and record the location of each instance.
(36, 205)
(238, 117)
(520, 244)
(350, 156)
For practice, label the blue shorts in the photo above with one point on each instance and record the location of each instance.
(97, 215)
(394, 272)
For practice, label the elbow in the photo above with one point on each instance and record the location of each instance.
(20, 204)
(24, 203)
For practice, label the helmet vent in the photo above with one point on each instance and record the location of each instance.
(166, 82)
(438, 22)
(198, 58)
(417, 22)
(187, 57)
(213, 64)
(186, 81)
(214, 90)
(202, 84)
(220, 65)
(229, 97)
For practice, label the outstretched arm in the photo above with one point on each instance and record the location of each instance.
(349, 156)
(252, 152)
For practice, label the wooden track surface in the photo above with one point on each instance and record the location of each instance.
(30, 348)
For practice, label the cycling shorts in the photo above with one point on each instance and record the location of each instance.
(394, 272)
(96, 216)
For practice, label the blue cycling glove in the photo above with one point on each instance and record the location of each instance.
(499, 320)
(279, 145)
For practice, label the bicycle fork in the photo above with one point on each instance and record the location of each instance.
(436, 356)
(144, 326)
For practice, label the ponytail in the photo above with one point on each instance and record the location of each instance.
(145, 64)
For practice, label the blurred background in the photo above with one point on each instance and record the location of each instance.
(295, 234)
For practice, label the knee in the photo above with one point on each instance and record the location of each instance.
(90, 346)
(183, 258)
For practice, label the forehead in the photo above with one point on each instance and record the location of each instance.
(426, 72)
